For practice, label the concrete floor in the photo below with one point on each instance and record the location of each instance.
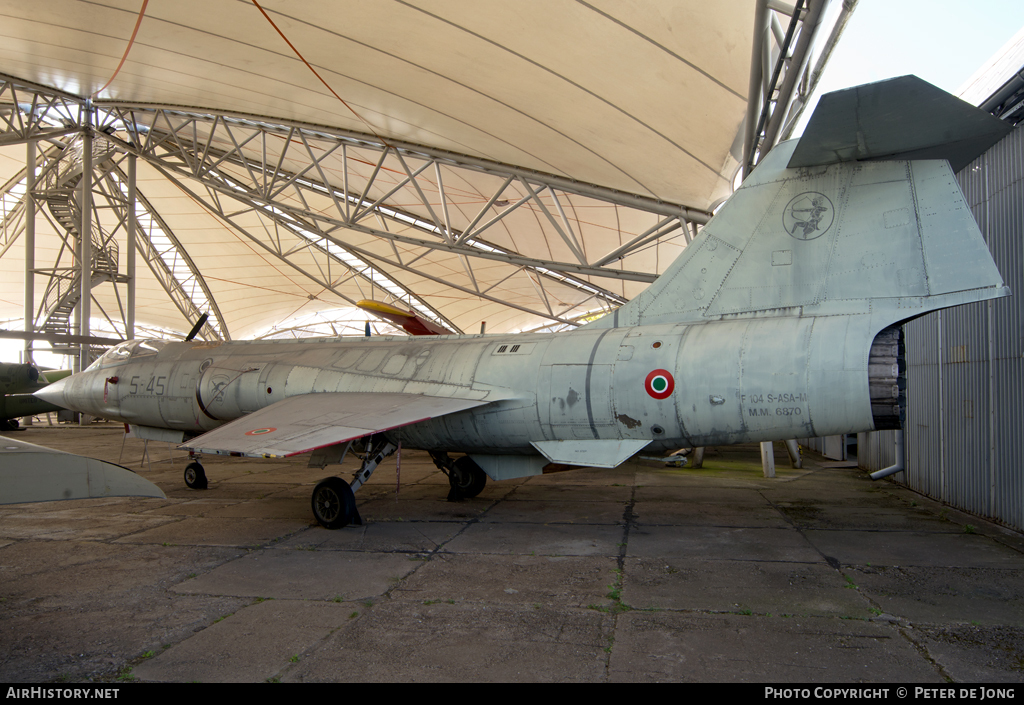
(635, 574)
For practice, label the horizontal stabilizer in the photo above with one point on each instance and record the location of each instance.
(303, 423)
(593, 454)
(901, 118)
(31, 473)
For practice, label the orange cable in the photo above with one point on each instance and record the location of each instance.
(138, 22)
(298, 54)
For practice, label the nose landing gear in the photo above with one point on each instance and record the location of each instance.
(195, 476)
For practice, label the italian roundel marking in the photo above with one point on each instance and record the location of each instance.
(659, 384)
(260, 431)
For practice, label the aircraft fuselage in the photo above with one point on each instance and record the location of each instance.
(673, 385)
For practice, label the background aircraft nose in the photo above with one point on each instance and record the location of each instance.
(53, 393)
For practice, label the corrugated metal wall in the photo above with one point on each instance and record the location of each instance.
(965, 403)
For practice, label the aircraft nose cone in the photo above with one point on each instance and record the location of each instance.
(53, 393)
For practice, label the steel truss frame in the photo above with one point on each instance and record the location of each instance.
(29, 116)
(180, 144)
(285, 172)
(236, 180)
(164, 255)
(782, 73)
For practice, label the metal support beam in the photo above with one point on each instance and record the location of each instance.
(30, 247)
(794, 454)
(56, 339)
(810, 82)
(800, 54)
(754, 85)
(768, 458)
(129, 332)
(85, 248)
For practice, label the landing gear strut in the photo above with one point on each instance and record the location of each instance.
(466, 479)
(333, 500)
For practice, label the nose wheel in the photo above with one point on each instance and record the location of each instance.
(195, 476)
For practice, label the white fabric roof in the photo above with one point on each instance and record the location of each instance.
(643, 97)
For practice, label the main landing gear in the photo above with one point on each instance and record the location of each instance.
(333, 500)
(334, 504)
(466, 479)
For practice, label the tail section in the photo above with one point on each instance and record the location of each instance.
(831, 236)
(847, 238)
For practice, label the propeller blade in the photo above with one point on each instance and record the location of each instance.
(197, 327)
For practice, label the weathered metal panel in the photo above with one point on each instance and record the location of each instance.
(965, 405)
(1008, 475)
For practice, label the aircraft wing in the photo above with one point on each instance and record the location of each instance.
(303, 423)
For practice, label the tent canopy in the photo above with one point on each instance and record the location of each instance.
(522, 163)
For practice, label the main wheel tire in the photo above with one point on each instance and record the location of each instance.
(195, 476)
(468, 477)
(334, 503)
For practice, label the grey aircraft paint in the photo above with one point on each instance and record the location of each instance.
(762, 330)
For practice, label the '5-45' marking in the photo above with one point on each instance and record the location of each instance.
(157, 385)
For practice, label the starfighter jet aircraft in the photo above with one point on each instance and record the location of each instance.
(780, 320)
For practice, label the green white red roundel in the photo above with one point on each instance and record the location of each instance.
(659, 384)
(260, 431)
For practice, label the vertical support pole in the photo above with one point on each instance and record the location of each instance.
(994, 497)
(30, 254)
(754, 86)
(794, 454)
(768, 458)
(30, 247)
(85, 241)
(698, 458)
(993, 509)
(129, 332)
(942, 420)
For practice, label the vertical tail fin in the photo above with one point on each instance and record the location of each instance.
(892, 238)
(814, 232)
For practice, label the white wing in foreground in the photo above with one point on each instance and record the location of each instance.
(303, 423)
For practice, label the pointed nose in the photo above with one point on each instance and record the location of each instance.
(54, 393)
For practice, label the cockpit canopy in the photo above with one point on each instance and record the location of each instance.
(130, 350)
